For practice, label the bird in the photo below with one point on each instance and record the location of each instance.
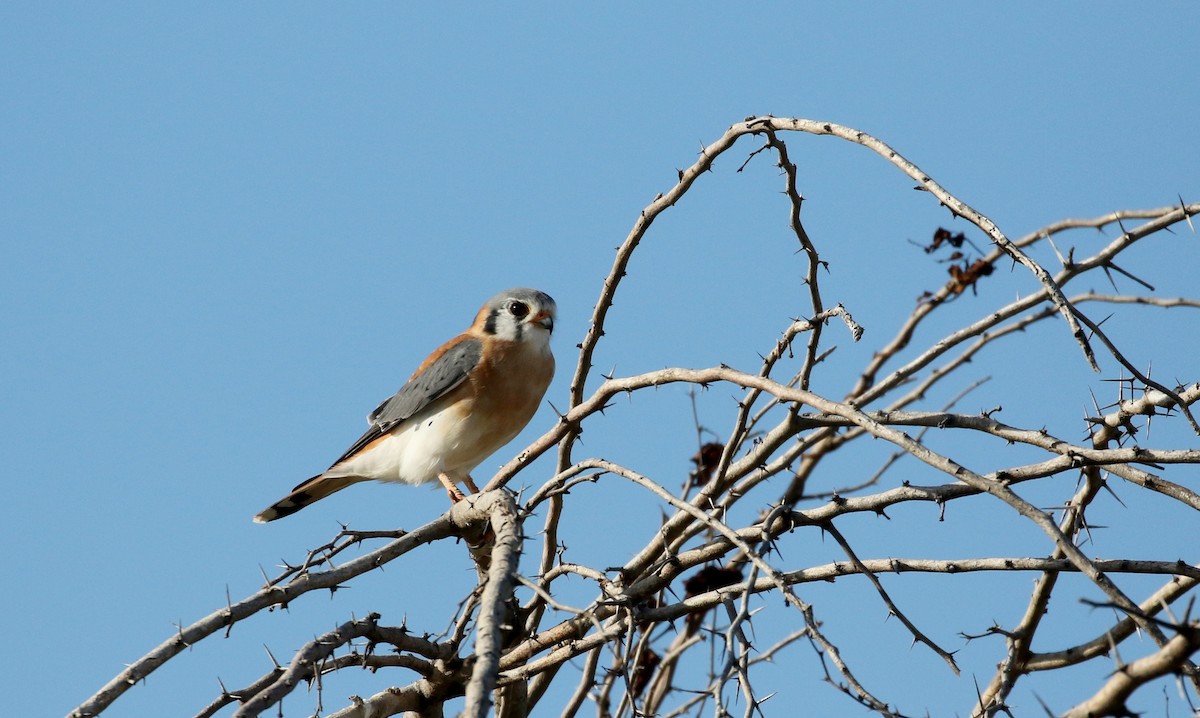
(470, 397)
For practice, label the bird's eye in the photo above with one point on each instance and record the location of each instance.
(518, 309)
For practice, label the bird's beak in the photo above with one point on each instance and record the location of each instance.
(545, 319)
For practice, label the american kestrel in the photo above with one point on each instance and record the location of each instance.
(469, 398)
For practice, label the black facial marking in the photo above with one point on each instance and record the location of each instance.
(489, 326)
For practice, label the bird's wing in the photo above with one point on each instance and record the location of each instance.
(444, 370)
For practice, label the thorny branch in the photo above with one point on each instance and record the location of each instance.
(745, 529)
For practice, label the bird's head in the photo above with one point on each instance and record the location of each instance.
(518, 315)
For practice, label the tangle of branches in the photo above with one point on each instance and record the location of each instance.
(723, 588)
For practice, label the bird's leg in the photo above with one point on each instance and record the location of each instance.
(489, 535)
(455, 494)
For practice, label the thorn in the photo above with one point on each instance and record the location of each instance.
(272, 657)
(1104, 485)
(1110, 278)
(1049, 711)
(228, 612)
(1127, 274)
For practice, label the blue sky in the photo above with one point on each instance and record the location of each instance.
(229, 230)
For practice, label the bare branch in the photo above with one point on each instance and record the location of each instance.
(1110, 699)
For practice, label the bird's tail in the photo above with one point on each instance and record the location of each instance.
(315, 489)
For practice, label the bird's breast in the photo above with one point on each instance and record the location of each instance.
(507, 387)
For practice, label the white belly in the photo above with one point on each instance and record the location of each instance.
(437, 440)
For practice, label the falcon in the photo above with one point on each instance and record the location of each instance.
(467, 399)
